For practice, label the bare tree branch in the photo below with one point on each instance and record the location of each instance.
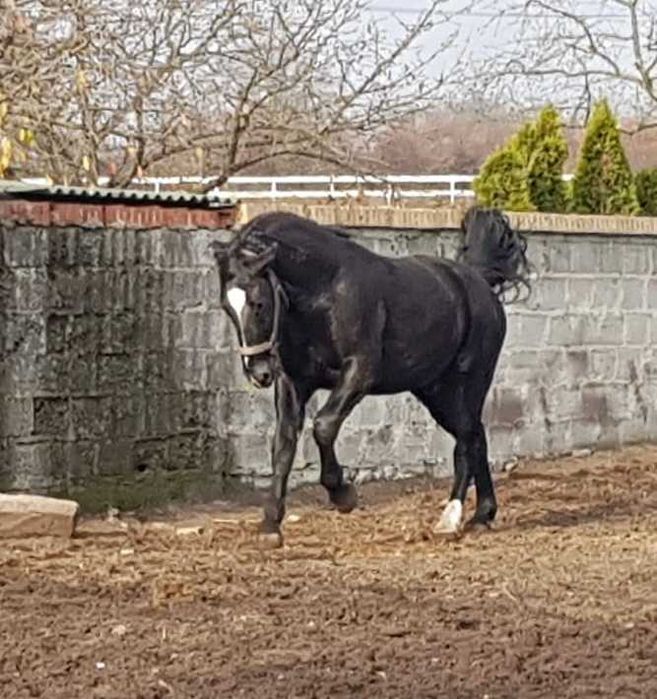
(120, 89)
(567, 49)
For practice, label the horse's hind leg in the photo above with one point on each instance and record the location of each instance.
(486, 507)
(456, 405)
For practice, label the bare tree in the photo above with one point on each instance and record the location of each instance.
(572, 53)
(442, 140)
(122, 88)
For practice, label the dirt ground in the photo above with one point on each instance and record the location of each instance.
(559, 600)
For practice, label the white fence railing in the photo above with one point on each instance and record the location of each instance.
(387, 187)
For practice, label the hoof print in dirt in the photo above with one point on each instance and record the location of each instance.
(345, 498)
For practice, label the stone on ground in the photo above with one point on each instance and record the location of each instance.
(36, 515)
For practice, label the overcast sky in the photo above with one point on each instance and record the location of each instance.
(481, 28)
(485, 25)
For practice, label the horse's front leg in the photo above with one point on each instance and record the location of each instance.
(290, 410)
(353, 385)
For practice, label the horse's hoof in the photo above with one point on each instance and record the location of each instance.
(450, 521)
(271, 540)
(482, 520)
(447, 530)
(269, 536)
(476, 524)
(445, 533)
(345, 498)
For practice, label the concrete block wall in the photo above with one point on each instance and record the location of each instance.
(115, 358)
(578, 368)
(120, 385)
(580, 363)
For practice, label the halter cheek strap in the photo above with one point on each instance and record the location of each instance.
(271, 344)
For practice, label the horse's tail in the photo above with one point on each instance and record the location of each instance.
(495, 249)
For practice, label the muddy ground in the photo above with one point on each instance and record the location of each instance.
(560, 600)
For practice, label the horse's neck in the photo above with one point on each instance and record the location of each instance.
(305, 276)
(307, 261)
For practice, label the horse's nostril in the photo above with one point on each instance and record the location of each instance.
(262, 374)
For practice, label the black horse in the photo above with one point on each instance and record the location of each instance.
(314, 309)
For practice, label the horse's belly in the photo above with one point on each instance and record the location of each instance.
(407, 369)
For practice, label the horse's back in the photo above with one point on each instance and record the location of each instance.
(462, 283)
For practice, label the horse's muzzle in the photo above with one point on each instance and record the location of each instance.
(260, 373)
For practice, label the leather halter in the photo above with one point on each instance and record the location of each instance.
(270, 345)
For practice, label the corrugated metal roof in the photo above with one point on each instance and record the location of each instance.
(26, 190)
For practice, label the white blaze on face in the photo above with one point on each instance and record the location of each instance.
(237, 300)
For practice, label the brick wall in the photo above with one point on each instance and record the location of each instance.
(113, 213)
(120, 384)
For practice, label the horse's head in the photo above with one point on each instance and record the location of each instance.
(253, 298)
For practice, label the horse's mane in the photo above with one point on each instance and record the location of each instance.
(270, 225)
(299, 237)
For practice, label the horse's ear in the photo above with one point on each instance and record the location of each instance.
(255, 262)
